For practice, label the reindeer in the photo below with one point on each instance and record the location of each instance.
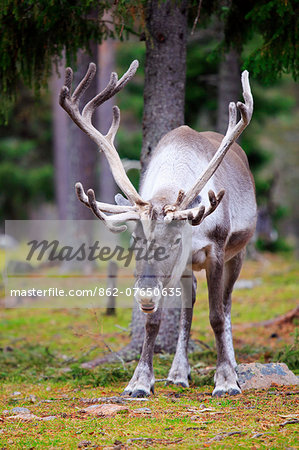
(178, 188)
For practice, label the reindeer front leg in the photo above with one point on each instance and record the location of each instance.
(226, 380)
(143, 380)
(180, 369)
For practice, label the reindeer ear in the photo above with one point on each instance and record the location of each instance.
(121, 200)
(194, 203)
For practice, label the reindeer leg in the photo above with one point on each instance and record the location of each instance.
(143, 380)
(232, 270)
(225, 377)
(180, 369)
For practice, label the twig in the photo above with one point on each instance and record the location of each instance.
(197, 17)
(223, 435)
(73, 359)
(122, 328)
(115, 353)
(289, 422)
(202, 343)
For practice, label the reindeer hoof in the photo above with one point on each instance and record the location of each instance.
(222, 392)
(234, 392)
(184, 385)
(218, 393)
(139, 394)
(179, 383)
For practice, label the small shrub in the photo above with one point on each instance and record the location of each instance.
(290, 354)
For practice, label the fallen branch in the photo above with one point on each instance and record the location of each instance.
(289, 422)
(289, 317)
(223, 435)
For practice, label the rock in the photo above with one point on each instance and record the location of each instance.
(247, 284)
(261, 376)
(65, 370)
(19, 267)
(8, 348)
(7, 241)
(20, 410)
(107, 409)
(142, 411)
(120, 400)
(26, 417)
(84, 444)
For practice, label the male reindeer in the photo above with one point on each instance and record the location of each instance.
(184, 164)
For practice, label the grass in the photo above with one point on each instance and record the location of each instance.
(42, 350)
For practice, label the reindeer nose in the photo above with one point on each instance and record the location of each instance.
(148, 297)
(147, 307)
(145, 299)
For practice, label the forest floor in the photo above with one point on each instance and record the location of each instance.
(41, 351)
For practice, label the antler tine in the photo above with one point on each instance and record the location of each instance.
(233, 132)
(214, 201)
(180, 198)
(197, 218)
(104, 207)
(68, 79)
(110, 90)
(81, 194)
(114, 125)
(98, 213)
(84, 83)
(128, 75)
(232, 117)
(100, 98)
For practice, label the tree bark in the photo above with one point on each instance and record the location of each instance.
(59, 124)
(76, 159)
(228, 87)
(75, 155)
(82, 153)
(165, 71)
(106, 65)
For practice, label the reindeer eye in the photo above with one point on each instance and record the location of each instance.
(177, 241)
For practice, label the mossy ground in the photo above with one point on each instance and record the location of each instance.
(42, 349)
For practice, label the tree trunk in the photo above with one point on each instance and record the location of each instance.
(76, 159)
(228, 87)
(164, 100)
(106, 65)
(165, 71)
(75, 154)
(59, 124)
(82, 152)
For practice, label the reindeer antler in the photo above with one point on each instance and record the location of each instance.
(70, 102)
(233, 132)
(198, 214)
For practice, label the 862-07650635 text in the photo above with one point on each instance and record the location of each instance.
(97, 291)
